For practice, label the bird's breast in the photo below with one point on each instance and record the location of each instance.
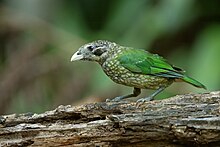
(121, 75)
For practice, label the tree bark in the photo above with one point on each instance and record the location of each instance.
(190, 119)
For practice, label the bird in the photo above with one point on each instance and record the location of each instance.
(133, 67)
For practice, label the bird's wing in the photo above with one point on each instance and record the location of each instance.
(143, 62)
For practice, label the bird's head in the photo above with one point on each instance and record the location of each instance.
(94, 51)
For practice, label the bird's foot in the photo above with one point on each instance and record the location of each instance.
(116, 99)
(108, 100)
(142, 100)
(146, 99)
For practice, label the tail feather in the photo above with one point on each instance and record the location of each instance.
(193, 82)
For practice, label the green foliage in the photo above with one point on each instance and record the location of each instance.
(205, 57)
(38, 37)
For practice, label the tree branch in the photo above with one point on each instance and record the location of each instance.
(181, 120)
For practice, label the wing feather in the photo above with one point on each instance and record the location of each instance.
(143, 62)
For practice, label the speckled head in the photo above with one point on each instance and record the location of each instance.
(94, 51)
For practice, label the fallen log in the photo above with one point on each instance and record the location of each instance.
(190, 119)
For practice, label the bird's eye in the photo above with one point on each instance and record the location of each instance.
(90, 47)
(98, 52)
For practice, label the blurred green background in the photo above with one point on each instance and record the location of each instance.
(38, 37)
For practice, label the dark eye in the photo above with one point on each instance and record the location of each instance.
(98, 52)
(90, 47)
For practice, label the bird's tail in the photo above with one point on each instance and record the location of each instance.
(193, 82)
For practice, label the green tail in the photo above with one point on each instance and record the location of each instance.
(193, 82)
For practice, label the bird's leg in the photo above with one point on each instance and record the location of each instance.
(151, 97)
(135, 93)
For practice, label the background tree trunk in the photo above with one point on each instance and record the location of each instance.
(191, 119)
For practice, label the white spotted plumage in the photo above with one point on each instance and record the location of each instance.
(121, 75)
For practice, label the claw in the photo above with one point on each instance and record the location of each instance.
(145, 99)
(107, 100)
(142, 100)
(116, 99)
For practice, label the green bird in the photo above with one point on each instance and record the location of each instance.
(133, 67)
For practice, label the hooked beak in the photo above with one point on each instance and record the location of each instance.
(76, 56)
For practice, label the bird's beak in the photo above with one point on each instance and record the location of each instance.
(76, 56)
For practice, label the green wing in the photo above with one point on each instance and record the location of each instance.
(143, 62)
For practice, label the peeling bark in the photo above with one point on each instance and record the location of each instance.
(191, 119)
